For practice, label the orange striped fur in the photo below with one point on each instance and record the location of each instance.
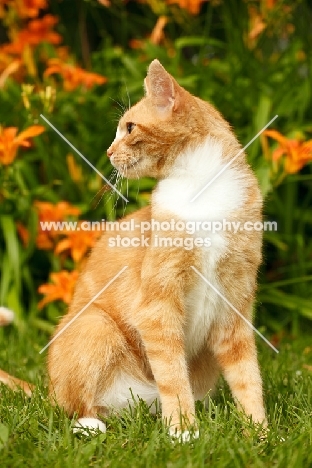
(158, 329)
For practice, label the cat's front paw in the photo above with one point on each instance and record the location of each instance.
(88, 426)
(185, 435)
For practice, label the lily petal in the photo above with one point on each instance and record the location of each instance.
(32, 131)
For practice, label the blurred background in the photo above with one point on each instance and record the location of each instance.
(81, 64)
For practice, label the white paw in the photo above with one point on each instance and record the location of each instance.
(88, 426)
(184, 436)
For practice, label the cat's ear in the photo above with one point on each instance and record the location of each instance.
(159, 86)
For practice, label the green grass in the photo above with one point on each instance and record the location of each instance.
(33, 434)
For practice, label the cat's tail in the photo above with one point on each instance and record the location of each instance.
(15, 383)
(7, 317)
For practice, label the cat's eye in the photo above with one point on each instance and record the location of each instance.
(130, 127)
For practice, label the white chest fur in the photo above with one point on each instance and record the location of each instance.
(125, 390)
(191, 172)
(202, 306)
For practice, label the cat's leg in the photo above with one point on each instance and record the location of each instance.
(204, 372)
(83, 363)
(160, 324)
(236, 354)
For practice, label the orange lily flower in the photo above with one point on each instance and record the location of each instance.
(73, 76)
(270, 4)
(37, 31)
(23, 233)
(44, 240)
(5, 60)
(156, 37)
(61, 288)
(193, 6)
(10, 141)
(136, 43)
(78, 243)
(75, 171)
(106, 3)
(48, 212)
(51, 212)
(256, 26)
(9, 70)
(28, 8)
(297, 153)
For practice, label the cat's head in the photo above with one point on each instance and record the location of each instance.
(160, 127)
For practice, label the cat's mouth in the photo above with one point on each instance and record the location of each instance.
(124, 168)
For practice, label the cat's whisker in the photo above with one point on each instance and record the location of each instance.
(115, 121)
(127, 191)
(129, 101)
(134, 166)
(121, 105)
(99, 200)
(113, 175)
(137, 174)
(138, 189)
(104, 188)
(128, 96)
(124, 104)
(111, 191)
(118, 113)
(125, 172)
(101, 189)
(118, 184)
(119, 178)
(116, 117)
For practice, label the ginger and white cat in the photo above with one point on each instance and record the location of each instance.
(159, 330)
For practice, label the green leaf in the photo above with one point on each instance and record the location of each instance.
(6, 275)
(287, 301)
(4, 435)
(188, 41)
(12, 245)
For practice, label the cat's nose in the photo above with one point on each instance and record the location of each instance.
(110, 152)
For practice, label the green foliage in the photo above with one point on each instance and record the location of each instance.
(33, 433)
(212, 55)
